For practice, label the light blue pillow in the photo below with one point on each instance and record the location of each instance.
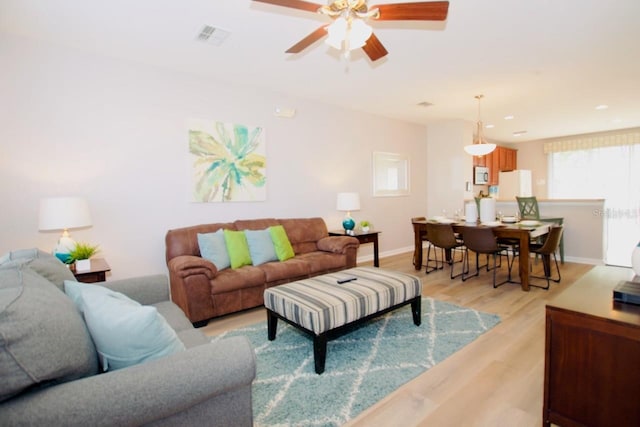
(261, 246)
(125, 333)
(214, 249)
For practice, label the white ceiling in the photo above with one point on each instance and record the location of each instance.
(549, 63)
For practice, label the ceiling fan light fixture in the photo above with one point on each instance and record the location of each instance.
(337, 31)
(479, 147)
(359, 34)
(348, 33)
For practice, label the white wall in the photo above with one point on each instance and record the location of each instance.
(449, 168)
(116, 133)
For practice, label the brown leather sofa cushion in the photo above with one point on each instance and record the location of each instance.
(304, 233)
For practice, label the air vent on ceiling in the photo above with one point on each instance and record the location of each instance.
(213, 35)
(425, 104)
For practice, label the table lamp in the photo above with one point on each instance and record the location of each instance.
(64, 213)
(348, 202)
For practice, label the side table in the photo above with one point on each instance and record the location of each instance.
(97, 273)
(363, 237)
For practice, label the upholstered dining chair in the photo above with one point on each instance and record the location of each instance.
(423, 237)
(548, 248)
(481, 240)
(442, 236)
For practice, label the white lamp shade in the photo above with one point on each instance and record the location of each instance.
(479, 149)
(337, 32)
(348, 202)
(360, 33)
(356, 33)
(60, 213)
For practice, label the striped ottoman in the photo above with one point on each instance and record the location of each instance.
(323, 308)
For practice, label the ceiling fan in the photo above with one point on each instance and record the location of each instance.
(349, 30)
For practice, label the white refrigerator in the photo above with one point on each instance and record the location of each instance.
(514, 183)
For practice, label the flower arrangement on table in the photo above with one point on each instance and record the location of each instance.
(365, 225)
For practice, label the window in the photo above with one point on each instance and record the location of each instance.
(605, 172)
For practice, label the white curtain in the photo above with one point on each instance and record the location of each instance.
(610, 172)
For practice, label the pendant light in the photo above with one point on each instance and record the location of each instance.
(479, 147)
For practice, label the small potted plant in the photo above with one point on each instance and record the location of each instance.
(79, 256)
(365, 225)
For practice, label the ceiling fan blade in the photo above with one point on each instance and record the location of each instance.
(374, 49)
(294, 4)
(421, 11)
(309, 40)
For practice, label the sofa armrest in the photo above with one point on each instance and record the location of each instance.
(190, 277)
(183, 386)
(186, 265)
(338, 244)
(146, 290)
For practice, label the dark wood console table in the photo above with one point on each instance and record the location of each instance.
(363, 237)
(592, 354)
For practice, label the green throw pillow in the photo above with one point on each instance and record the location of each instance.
(238, 248)
(284, 250)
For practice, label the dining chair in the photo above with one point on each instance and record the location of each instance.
(528, 207)
(423, 236)
(442, 236)
(481, 240)
(548, 249)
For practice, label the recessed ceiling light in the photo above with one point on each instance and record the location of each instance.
(509, 117)
(617, 120)
(490, 126)
(602, 107)
(519, 133)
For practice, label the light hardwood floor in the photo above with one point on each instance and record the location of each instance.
(495, 381)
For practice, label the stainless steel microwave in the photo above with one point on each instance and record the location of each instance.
(480, 175)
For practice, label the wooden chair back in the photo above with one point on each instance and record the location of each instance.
(528, 207)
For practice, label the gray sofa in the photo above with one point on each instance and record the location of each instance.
(49, 368)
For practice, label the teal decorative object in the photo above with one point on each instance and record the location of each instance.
(363, 366)
(348, 202)
(348, 223)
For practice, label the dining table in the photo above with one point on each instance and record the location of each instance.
(523, 232)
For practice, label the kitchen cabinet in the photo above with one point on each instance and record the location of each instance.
(502, 159)
(479, 160)
(592, 348)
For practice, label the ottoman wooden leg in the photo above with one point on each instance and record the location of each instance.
(416, 308)
(320, 352)
(272, 325)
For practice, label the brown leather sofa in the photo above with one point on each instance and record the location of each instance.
(203, 291)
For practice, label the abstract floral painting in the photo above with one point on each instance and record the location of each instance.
(228, 162)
